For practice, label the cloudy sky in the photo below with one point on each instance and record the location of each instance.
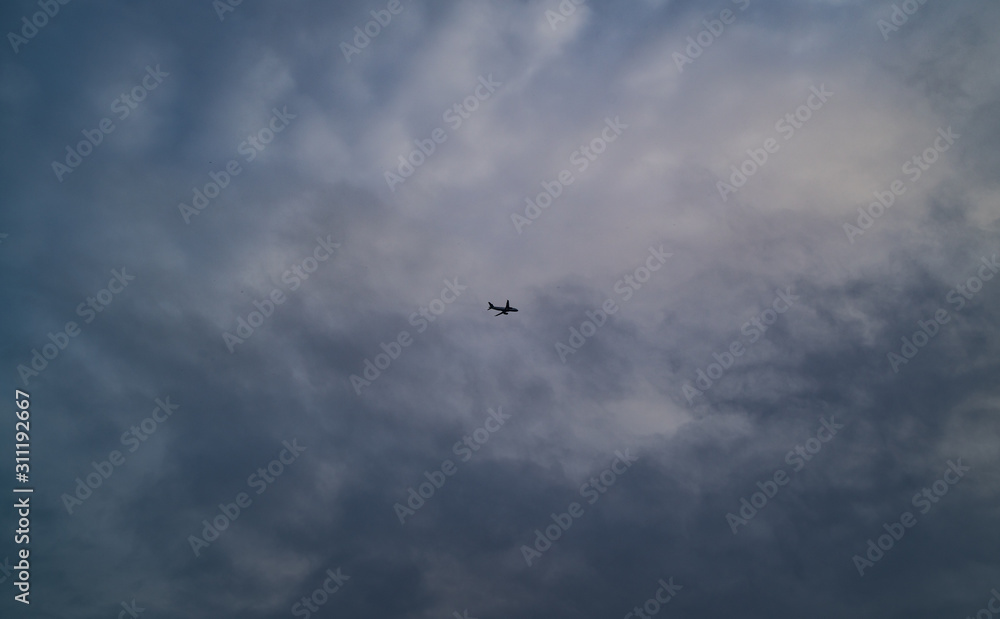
(248, 252)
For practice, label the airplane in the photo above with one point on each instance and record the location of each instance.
(502, 310)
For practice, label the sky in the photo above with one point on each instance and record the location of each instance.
(248, 250)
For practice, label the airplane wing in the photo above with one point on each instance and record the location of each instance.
(508, 304)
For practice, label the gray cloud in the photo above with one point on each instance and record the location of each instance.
(322, 179)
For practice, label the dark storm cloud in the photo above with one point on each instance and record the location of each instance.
(203, 265)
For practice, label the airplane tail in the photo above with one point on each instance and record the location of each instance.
(491, 305)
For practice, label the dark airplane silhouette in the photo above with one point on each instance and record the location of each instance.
(502, 310)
